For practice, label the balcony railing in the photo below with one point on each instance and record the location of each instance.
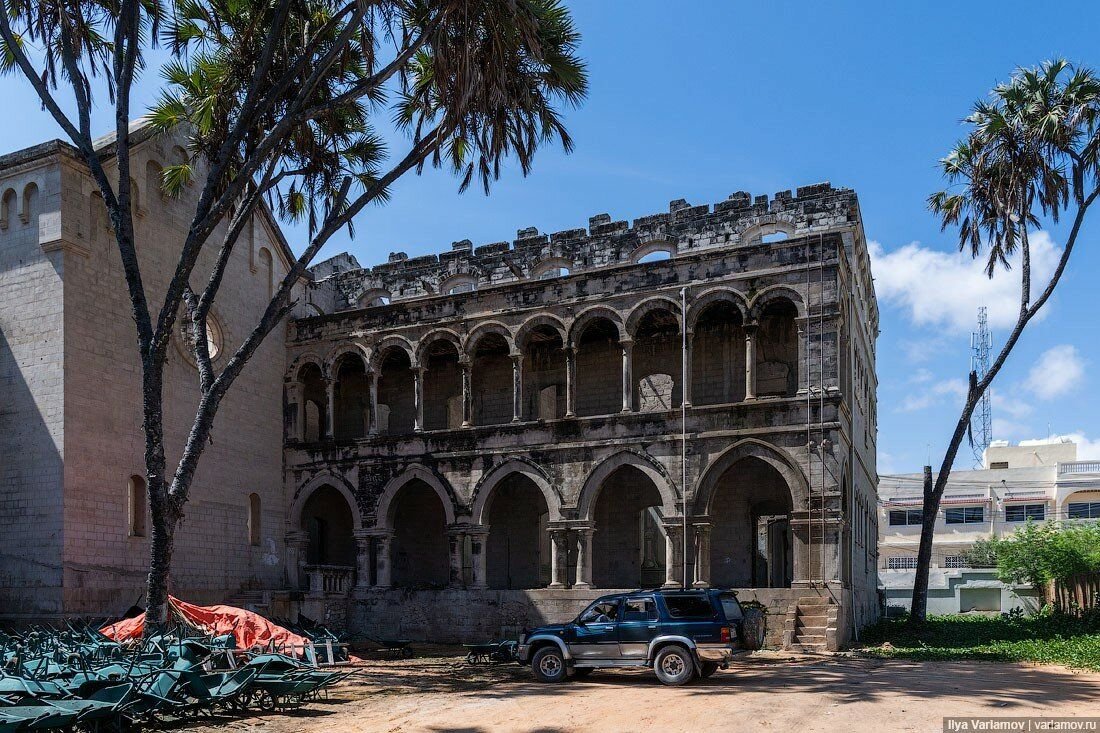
(329, 579)
(1079, 467)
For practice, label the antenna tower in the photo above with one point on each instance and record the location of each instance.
(981, 424)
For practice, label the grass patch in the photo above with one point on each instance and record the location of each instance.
(1046, 639)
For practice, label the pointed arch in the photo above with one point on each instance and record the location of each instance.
(543, 319)
(586, 502)
(383, 511)
(326, 478)
(596, 312)
(438, 334)
(774, 456)
(346, 349)
(707, 298)
(390, 342)
(517, 465)
(300, 361)
(773, 294)
(484, 329)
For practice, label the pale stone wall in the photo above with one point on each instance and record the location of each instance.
(32, 399)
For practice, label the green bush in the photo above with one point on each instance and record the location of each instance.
(1039, 553)
(1048, 637)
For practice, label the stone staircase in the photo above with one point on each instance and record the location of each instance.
(811, 625)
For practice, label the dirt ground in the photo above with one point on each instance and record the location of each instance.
(770, 692)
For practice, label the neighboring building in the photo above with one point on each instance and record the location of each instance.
(73, 526)
(1032, 481)
(492, 436)
(447, 446)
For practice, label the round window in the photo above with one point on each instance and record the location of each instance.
(215, 337)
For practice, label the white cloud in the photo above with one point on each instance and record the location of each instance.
(1010, 404)
(1057, 371)
(1087, 450)
(934, 394)
(945, 289)
(1008, 429)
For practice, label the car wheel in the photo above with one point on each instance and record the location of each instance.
(706, 669)
(753, 626)
(583, 671)
(549, 665)
(674, 665)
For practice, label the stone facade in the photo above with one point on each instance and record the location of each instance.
(451, 446)
(508, 418)
(72, 518)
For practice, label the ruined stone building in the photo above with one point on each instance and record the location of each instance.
(454, 445)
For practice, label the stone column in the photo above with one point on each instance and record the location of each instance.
(628, 375)
(363, 539)
(418, 399)
(750, 362)
(456, 537)
(372, 382)
(479, 537)
(330, 411)
(674, 556)
(558, 557)
(686, 376)
(803, 355)
(467, 397)
(294, 396)
(297, 545)
(570, 381)
(517, 387)
(383, 565)
(584, 557)
(702, 556)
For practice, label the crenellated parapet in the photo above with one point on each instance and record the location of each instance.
(740, 220)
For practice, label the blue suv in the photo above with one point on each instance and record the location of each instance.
(681, 634)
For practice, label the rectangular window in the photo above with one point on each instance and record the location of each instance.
(1084, 510)
(903, 517)
(1024, 512)
(689, 606)
(639, 609)
(999, 464)
(966, 515)
(901, 563)
(955, 561)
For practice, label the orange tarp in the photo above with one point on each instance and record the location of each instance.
(248, 628)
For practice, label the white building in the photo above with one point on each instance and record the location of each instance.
(1034, 480)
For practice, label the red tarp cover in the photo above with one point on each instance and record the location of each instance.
(249, 629)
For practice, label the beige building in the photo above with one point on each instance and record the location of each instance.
(1032, 481)
(453, 445)
(72, 508)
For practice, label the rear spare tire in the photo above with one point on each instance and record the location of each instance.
(753, 627)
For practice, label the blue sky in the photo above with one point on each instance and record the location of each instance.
(698, 100)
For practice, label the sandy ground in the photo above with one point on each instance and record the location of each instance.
(766, 693)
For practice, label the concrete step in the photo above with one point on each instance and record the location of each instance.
(816, 619)
(815, 630)
(808, 648)
(814, 602)
(810, 638)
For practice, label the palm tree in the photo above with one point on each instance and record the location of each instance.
(1031, 155)
(277, 99)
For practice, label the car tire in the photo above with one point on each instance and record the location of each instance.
(548, 665)
(674, 665)
(706, 669)
(753, 628)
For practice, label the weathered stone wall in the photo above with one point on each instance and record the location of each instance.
(32, 398)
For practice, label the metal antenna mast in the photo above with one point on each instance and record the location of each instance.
(981, 425)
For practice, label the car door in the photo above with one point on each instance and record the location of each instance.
(637, 626)
(595, 632)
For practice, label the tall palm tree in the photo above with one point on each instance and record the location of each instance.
(1031, 156)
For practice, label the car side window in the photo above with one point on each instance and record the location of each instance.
(639, 609)
(601, 613)
(689, 607)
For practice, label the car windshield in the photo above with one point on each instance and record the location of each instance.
(731, 607)
(600, 612)
(693, 606)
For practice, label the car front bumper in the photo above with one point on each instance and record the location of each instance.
(523, 653)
